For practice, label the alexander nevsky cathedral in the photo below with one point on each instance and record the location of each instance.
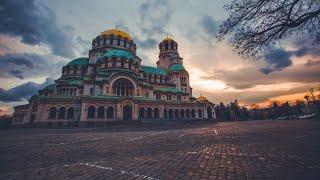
(112, 85)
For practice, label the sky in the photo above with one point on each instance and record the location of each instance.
(37, 38)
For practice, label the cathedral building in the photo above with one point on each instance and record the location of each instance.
(112, 85)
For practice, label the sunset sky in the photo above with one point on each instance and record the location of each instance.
(38, 37)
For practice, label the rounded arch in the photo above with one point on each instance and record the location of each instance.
(123, 87)
(116, 77)
(52, 113)
(141, 113)
(156, 113)
(70, 113)
(182, 113)
(188, 113)
(193, 113)
(176, 113)
(62, 113)
(91, 112)
(165, 113)
(209, 111)
(199, 113)
(110, 112)
(170, 113)
(101, 110)
(149, 113)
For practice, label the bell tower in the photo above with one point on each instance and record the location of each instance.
(168, 54)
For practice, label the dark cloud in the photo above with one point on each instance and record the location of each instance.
(23, 92)
(312, 63)
(276, 60)
(36, 24)
(147, 44)
(305, 46)
(249, 77)
(29, 65)
(209, 25)
(154, 17)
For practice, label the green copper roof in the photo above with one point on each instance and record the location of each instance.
(119, 53)
(153, 70)
(76, 82)
(176, 67)
(168, 89)
(79, 62)
(50, 87)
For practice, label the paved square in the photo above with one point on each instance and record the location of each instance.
(228, 150)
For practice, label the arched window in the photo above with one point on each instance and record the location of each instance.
(129, 64)
(52, 113)
(199, 113)
(176, 113)
(141, 113)
(193, 113)
(122, 63)
(62, 113)
(114, 62)
(70, 113)
(75, 70)
(188, 113)
(209, 111)
(170, 114)
(165, 114)
(156, 113)
(110, 112)
(182, 113)
(123, 87)
(149, 113)
(91, 112)
(101, 110)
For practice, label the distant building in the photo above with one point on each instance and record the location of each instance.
(112, 85)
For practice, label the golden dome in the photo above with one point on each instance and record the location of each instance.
(202, 98)
(168, 38)
(116, 32)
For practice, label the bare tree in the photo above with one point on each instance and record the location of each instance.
(257, 25)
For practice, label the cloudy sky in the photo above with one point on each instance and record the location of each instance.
(38, 37)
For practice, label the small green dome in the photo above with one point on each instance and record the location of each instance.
(176, 67)
(119, 53)
(79, 62)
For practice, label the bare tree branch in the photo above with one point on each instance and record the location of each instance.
(256, 25)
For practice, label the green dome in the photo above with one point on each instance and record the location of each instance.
(176, 67)
(79, 62)
(119, 53)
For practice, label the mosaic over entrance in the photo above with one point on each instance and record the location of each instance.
(111, 84)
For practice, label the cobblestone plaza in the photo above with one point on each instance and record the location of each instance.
(227, 150)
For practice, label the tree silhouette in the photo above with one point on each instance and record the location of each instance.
(257, 25)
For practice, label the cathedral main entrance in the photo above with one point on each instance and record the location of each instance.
(127, 112)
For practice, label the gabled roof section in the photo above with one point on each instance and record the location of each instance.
(176, 67)
(168, 89)
(153, 70)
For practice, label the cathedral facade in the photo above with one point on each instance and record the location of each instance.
(112, 85)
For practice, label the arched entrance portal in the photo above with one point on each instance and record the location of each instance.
(127, 111)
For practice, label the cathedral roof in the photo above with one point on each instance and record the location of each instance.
(169, 89)
(49, 87)
(119, 53)
(176, 67)
(153, 70)
(79, 62)
(116, 32)
(202, 99)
